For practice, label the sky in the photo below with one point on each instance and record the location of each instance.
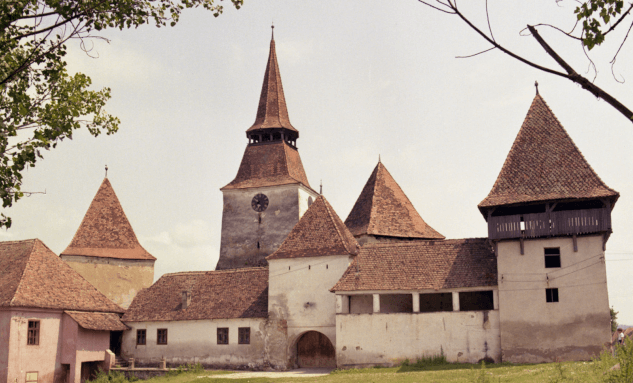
(362, 79)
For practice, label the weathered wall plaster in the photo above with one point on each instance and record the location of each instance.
(388, 339)
(196, 342)
(248, 237)
(299, 293)
(118, 279)
(576, 327)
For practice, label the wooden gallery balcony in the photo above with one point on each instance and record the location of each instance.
(555, 223)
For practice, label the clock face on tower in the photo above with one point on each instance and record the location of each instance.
(259, 202)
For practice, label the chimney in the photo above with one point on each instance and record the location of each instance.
(186, 299)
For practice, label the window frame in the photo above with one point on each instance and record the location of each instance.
(553, 256)
(30, 374)
(243, 335)
(143, 337)
(551, 295)
(221, 332)
(33, 340)
(159, 339)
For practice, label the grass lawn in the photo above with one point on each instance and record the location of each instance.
(552, 372)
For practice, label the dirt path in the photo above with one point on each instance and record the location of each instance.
(299, 373)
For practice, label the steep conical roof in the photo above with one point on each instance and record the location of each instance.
(383, 209)
(105, 230)
(319, 232)
(31, 275)
(272, 111)
(544, 164)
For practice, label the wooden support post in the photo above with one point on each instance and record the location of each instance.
(495, 299)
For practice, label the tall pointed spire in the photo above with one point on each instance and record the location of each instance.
(272, 122)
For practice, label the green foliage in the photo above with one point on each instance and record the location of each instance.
(41, 104)
(482, 376)
(596, 17)
(111, 377)
(617, 367)
(197, 368)
(614, 319)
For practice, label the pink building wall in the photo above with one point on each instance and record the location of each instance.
(62, 341)
(45, 358)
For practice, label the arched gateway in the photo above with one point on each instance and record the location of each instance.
(315, 350)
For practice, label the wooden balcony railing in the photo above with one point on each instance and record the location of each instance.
(567, 222)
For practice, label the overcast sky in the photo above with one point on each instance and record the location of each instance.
(361, 79)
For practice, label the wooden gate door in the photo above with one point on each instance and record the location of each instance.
(315, 350)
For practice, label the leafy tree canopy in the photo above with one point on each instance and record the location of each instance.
(41, 104)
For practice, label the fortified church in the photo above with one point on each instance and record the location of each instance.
(296, 286)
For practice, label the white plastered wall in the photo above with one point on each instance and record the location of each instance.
(196, 342)
(299, 294)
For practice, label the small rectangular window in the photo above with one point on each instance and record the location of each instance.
(161, 336)
(223, 335)
(31, 377)
(141, 337)
(552, 257)
(244, 335)
(34, 333)
(551, 295)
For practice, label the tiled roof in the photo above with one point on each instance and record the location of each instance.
(105, 230)
(383, 209)
(417, 265)
(31, 275)
(272, 111)
(269, 165)
(319, 232)
(238, 293)
(98, 321)
(544, 164)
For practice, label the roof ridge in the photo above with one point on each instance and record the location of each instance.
(328, 208)
(15, 293)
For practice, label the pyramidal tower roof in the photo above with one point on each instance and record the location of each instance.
(383, 209)
(272, 111)
(319, 232)
(544, 164)
(105, 230)
(31, 275)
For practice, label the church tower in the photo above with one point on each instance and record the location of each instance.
(106, 252)
(271, 191)
(549, 218)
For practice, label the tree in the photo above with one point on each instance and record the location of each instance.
(614, 319)
(41, 104)
(598, 18)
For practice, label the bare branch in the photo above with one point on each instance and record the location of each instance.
(473, 55)
(578, 79)
(437, 8)
(625, 14)
(488, 19)
(568, 34)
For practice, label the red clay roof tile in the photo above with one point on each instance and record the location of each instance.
(272, 111)
(544, 164)
(31, 275)
(269, 165)
(238, 293)
(98, 321)
(383, 209)
(418, 265)
(105, 230)
(319, 232)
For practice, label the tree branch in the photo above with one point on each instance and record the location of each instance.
(578, 79)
